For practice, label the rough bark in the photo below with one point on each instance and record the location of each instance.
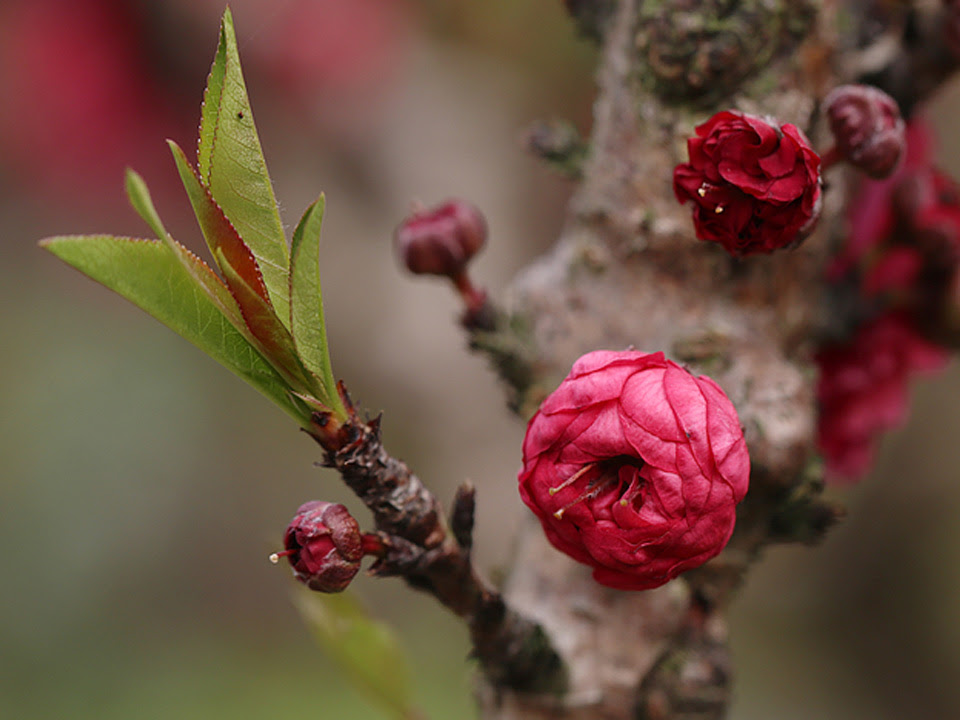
(628, 271)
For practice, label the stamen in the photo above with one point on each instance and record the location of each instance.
(588, 494)
(572, 479)
(275, 557)
(718, 209)
(610, 472)
(633, 489)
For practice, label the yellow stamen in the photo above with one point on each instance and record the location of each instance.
(572, 479)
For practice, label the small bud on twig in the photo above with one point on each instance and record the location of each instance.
(441, 241)
(560, 144)
(869, 131)
(325, 546)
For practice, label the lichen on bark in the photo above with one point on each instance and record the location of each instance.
(700, 51)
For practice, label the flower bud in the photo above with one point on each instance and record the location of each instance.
(324, 545)
(866, 124)
(441, 241)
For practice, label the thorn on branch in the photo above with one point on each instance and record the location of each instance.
(804, 519)
(462, 515)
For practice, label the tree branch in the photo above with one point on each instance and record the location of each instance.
(513, 651)
(628, 272)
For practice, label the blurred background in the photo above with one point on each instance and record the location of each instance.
(142, 487)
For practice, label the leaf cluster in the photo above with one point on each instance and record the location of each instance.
(262, 315)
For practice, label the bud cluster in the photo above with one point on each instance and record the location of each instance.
(904, 247)
(863, 389)
(902, 258)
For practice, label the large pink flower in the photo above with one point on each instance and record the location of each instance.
(754, 184)
(634, 467)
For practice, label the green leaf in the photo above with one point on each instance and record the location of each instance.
(270, 336)
(139, 197)
(242, 274)
(152, 277)
(232, 166)
(366, 650)
(306, 302)
(225, 243)
(142, 202)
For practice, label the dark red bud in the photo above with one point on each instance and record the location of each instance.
(324, 546)
(441, 240)
(867, 127)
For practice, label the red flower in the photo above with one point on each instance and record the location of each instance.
(896, 271)
(634, 467)
(863, 390)
(755, 186)
(324, 546)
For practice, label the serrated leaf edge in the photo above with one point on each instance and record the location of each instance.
(239, 250)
